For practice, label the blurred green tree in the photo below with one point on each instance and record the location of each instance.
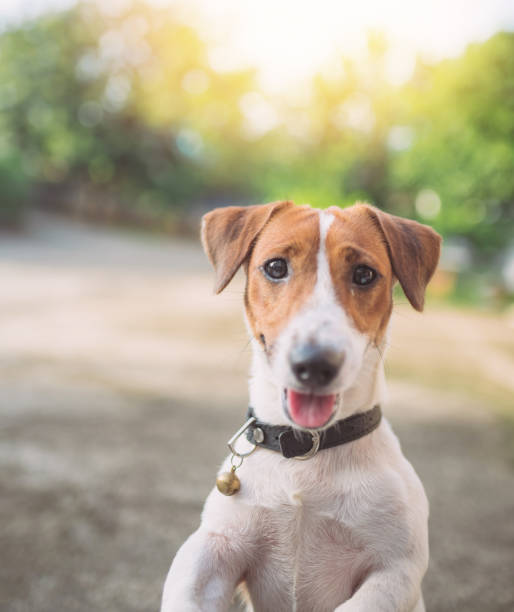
(119, 114)
(461, 112)
(132, 116)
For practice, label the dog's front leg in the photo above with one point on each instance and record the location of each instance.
(396, 589)
(204, 573)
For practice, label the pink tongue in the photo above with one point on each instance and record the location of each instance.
(310, 410)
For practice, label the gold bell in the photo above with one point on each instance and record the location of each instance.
(228, 483)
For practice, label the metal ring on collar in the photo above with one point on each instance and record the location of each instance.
(314, 449)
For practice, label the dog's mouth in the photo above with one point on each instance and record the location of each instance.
(309, 410)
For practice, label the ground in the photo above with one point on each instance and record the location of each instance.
(122, 378)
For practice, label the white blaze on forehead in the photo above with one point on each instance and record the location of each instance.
(322, 312)
(321, 318)
(324, 286)
(323, 321)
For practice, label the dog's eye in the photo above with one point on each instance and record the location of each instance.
(363, 275)
(276, 269)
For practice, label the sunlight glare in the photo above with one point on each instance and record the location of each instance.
(289, 40)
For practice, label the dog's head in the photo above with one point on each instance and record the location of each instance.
(319, 290)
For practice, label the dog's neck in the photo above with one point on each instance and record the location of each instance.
(265, 395)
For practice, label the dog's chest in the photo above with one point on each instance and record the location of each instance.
(310, 558)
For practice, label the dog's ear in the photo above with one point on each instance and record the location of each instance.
(414, 251)
(229, 233)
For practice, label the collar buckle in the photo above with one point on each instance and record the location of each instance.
(314, 448)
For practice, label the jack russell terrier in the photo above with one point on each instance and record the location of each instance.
(345, 527)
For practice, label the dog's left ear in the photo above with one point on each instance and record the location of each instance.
(228, 235)
(414, 251)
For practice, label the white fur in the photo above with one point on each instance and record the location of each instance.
(345, 531)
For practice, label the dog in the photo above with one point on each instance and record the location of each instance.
(345, 529)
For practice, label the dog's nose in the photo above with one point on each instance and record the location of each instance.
(314, 365)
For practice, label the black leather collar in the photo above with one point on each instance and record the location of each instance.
(293, 442)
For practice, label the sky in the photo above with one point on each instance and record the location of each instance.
(289, 40)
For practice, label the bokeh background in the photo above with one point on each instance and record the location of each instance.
(121, 374)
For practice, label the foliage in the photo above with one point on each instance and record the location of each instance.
(87, 99)
(463, 113)
(14, 190)
(133, 110)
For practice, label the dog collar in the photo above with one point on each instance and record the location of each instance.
(291, 442)
(298, 444)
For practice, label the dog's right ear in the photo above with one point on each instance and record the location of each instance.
(229, 233)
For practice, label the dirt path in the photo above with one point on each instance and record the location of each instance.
(113, 350)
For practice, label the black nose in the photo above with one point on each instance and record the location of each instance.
(314, 365)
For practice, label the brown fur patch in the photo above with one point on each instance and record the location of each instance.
(294, 235)
(398, 249)
(229, 233)
(354, 239)
(414, 251)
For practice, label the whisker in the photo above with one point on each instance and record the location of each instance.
(246, 346)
